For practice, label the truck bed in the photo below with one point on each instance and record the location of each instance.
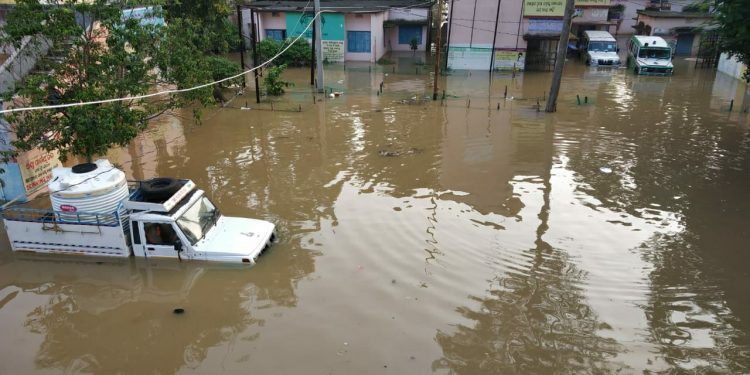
(82, 233)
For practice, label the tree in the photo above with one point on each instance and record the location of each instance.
(734, 30)
(100, 55)
(274, 84)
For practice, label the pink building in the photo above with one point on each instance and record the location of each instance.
(520, 34)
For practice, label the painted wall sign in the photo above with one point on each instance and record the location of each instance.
(332, 25)
(554, 8)
(545, 26)
(333, 50)
(510, 60)
(36, 168)
(543, 8)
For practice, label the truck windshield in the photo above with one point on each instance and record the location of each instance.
(655, 53)
(603, 46)
(198, 219)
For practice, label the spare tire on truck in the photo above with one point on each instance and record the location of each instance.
(159, 189)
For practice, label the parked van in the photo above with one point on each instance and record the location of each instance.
(599, 48)
(649, 55)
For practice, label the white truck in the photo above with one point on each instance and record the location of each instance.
(95, 211)
(599, 48)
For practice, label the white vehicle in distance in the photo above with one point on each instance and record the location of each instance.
(599, 48)
(95, 211)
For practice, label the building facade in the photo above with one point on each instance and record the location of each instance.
(352, 31)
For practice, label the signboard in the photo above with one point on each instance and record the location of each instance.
(545, 26)
(36, 168)
(145, 15)
(510, 60)
(543, 8)
(469, 58)
(332, 25)
(554, 8)
(333, 50)
(593, 2)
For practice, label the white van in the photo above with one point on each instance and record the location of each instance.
(650, 55)
(599, 48)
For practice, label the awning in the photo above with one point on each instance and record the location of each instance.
(555, 36)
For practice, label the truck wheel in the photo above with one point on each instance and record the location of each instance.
(159, 189)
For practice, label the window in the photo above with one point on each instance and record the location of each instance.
(406, 32)
(358, 41)
(276, 34)
(136, 232)
(159, 234)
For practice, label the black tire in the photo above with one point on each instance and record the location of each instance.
(84, 168)
(159, 189)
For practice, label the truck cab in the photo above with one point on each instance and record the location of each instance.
(650, 55)
(187, 225)
(599, 48)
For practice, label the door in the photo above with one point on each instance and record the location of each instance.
(160, 239)
(684, 45)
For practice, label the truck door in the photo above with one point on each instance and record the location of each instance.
(160, 240)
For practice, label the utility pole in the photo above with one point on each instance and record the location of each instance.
(312, 55)
(255, 53)
(562, 48)
(439, 41)
(242, 43)
(319, 86)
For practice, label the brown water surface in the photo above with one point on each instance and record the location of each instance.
(429, 237)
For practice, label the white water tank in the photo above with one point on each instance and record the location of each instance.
(91, 188)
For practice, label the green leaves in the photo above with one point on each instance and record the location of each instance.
(734, 30)
(97, 55)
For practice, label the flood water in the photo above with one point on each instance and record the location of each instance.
(419, 237)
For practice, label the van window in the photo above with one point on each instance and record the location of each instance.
(601, 46)
(654, 53)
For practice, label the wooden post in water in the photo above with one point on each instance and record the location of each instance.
(562, 49)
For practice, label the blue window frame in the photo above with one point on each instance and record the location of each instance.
(358, 41)
(276, 34)
(406, 32)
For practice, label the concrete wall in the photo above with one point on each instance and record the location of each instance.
(354, 23)
(392, 38)
(471, 41)
(269, 21)
(378, 36)
(21, 62)
(409, 14)
(731, 66)
(629, 14)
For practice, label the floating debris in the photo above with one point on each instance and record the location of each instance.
(178, 311)
(606, 170)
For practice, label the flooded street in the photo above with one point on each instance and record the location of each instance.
(474, 235)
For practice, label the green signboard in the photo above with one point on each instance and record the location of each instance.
(554, 8)
(332, 24)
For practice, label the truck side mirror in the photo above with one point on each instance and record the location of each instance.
(618, 49)
(178, 246)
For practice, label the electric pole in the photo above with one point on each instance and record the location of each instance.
(562, 49)
(438, 39)
(318, 48)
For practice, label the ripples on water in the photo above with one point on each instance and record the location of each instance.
(418, 237)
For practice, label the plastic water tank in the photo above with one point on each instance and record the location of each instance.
(91, 188)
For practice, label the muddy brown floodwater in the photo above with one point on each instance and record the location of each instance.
(423, 237)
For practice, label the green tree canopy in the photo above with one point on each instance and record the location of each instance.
(99, 54)
(734, 29)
